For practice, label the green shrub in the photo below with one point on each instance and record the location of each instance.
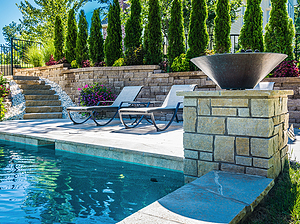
(74, 64)
(119, 62)
(71, 37)
(176, 33)
(279, 30)
(48, 49)
(133, 27)
(222, 27)
(4, 91)
(35, 56)
(96, 39)
(113, 41)
(58, 38)
(181, 64)
(251, 35)
(153, 34)
(198, 35)
(134, 56)
(82, 51)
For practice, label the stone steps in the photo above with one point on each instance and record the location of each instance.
(41, 103)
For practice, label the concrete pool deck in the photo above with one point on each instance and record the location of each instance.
(217, 197)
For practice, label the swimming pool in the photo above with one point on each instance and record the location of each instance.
(43, 185)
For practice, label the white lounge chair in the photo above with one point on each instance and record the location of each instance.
(172, 103)
(125, 99)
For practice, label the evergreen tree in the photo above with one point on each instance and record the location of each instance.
(71, 37)
(58, 38)
(279, 30)
(82, 51)
(153, 54)
(198, 35)
(133, 27)
(96, 38)
(113, 42)
(222, 27)
(176, 32)
(251, 35)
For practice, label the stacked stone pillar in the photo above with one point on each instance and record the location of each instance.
(243, 131)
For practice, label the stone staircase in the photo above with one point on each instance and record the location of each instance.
(41, 103)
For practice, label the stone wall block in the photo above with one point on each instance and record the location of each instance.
(203, 106)
(262, 163)
(229, 102)
(191, 154)
(205, 167)
(189, 119)
(224, 112)
(211, 125)
(224, 149)
(198, 142)
(275, 170)
(243, 112)
(257, 171)
(190, 102)
(262, 107)
(232, 168)
(264, 147)
(190, 167)
(206, 156)
(242, 160)
(250, 127)
(242, 146)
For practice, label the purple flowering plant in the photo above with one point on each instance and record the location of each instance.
(95, 94)
(286, 69)
(4, 90)
(86, 63)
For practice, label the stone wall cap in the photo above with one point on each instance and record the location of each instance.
(237, 93)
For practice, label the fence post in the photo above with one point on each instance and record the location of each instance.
(12, 56)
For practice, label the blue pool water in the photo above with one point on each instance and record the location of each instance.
(41, 185)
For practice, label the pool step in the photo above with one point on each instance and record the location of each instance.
(41, 103)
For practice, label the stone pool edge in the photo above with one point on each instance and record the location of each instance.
(125, 155)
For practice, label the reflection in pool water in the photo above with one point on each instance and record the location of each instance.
(41, 185)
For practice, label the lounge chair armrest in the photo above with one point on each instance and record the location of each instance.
(107, 101)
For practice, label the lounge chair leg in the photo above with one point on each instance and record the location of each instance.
(105, 123)
(75, 122)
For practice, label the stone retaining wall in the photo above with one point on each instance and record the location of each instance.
(237, 131)
(156, 85)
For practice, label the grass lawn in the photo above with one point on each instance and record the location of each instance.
(282, 204)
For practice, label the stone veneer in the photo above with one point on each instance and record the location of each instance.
(242, 131)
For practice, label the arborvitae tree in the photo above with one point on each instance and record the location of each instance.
(96, 38)
(251, 35)
(58, 39)
(176, 32)
(71, 37)
(82, 51)
(133, 27)
(113, 42)
(198, 35)
(222, 27)
(153, 54)
(279, 30)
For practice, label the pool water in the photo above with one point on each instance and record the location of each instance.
(43, 185)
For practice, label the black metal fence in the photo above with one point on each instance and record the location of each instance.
(15, 55)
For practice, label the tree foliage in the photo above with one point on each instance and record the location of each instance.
(13, 30)
(198, 35)
(96, 39)
(279, 30)
(251, 35)
(71, 37)
(38, 21)
(222, 27)
(153, 54)
(176, 32)
(113, 41)
(58, 39)
(82, 52)
(133, 27)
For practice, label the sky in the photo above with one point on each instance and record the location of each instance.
(9, 12)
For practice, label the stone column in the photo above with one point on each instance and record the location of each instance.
(243, 131)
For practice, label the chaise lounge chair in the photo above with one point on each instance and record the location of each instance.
(124, 99)
(172, 103)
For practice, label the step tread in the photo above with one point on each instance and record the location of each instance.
(19, 77)
(34, 87)
(38, 92)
